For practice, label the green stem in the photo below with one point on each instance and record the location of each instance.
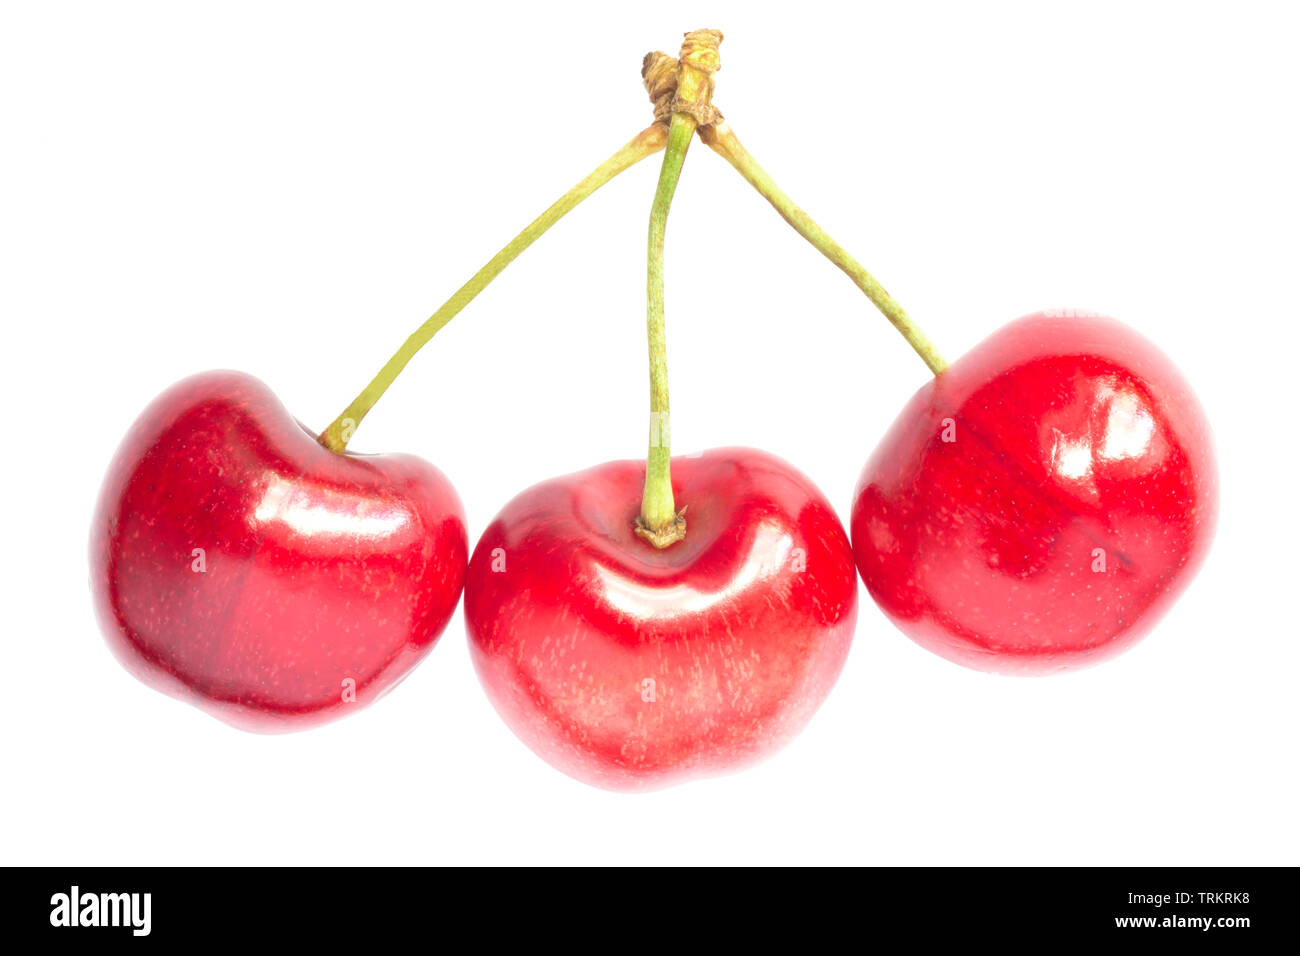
(339, 433)
(724, 142)
(660, 523)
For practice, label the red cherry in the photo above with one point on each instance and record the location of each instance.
(240, 565)
(1039, 504)
(629, 667)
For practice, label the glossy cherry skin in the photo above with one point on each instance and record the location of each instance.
(1040, 504)
(240, 565)
(633, 668)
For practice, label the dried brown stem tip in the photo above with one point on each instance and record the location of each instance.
(664, 76)
(698, 61)
(659, 73)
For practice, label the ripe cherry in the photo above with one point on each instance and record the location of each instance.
(630, 667)
(1040, 503)
(239, 564)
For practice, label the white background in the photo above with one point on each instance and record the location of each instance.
(291, 189)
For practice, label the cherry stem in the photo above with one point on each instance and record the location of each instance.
(659, 522)
(723, 141)
(646, 143)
